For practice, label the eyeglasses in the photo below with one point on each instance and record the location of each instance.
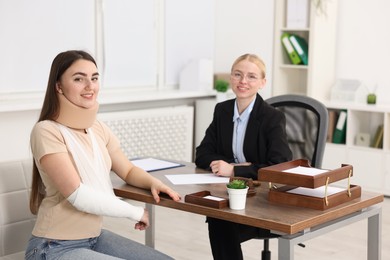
(249, 77)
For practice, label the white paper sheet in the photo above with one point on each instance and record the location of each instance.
(318, 192)
(305, 170)
(213, 198)
(199, 178)
(151, 164)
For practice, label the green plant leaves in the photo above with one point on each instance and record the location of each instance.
(236, 184)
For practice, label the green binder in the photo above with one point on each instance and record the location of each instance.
(340, 129)
(300, 46)
(291, 52)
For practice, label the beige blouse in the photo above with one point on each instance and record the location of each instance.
(57, 218)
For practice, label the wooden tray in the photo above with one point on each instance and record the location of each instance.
(281, 196)
(198, 198)
(276, 174)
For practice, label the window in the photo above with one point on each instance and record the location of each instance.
(33, 32)
(137, 44)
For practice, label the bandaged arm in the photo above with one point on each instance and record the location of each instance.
(96, 202)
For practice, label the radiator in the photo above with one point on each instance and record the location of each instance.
(164, 132)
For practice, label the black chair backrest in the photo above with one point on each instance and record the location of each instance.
(306, 126)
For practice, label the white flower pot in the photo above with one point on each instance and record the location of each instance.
(237, 198)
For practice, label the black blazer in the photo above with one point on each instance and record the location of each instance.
(265, 141)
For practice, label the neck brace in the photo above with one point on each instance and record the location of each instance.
(74, 116)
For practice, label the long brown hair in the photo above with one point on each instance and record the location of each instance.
(50, 111)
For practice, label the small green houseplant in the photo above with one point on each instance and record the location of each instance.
(221, 85)
(237, 190)
(236, 184)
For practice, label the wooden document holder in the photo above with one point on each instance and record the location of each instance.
(199, 199)
(277, 174)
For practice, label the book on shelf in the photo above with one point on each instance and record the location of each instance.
(291, 52)
(332, 115)
(339, 132)
(378, 138)
(300, 46)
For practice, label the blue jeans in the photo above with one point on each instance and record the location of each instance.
(106, 246)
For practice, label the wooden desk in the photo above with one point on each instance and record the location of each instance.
(294, 224)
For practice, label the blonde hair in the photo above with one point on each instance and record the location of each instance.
(254, 59)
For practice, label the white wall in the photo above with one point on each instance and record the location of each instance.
(363, 44)
(245, 26)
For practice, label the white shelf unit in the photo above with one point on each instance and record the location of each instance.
(318, 76)
(371, 166)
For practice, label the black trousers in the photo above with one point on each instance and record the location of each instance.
(226, 238)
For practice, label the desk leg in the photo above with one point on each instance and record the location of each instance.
(373, 215)
(150, 231)
(285, 249)
(374, 236)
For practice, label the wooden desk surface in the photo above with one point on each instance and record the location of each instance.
(258, 212)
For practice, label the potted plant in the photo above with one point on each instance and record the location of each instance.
(221, 86)
(237, 190)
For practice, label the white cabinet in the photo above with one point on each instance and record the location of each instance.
(316, 78)
(371, 165)
(334, 156)
(387, 173)
(367, 168)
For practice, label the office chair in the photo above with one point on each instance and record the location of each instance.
(306, 129)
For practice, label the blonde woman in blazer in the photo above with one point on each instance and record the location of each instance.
(245, 135)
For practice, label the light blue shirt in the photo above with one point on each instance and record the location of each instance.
(240, 124)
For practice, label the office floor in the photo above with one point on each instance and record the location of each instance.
(184, 236)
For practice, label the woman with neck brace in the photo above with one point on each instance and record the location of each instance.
(73, 156)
